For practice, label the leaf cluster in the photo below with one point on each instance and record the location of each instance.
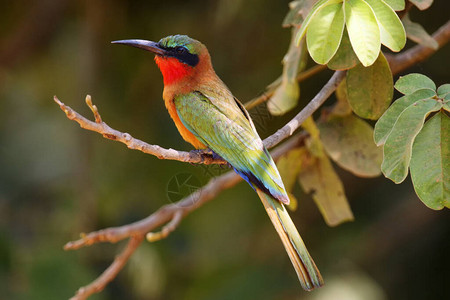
(368, 24)
(348, 34)
(411, 142)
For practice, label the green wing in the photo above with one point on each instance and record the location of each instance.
(224, 126)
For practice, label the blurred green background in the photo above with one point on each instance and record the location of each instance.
(57, 180)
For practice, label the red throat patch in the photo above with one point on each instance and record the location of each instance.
(172, 69)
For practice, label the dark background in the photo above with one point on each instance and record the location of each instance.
(57, 180)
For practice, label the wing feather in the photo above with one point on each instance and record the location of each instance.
(228, 131)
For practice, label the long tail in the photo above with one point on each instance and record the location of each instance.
(306, 269)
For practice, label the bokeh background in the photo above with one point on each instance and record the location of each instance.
(57, 180)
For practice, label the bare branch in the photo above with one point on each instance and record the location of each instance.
(408, 6)
(111, 272)
(288, 129)
(270, 89)
(98, 118)
(167, 229)
(203, 157)
(171, 212)
(416, 54)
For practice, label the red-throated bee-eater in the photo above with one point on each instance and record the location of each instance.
(208, 116)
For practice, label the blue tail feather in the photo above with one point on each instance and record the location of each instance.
(255, 182)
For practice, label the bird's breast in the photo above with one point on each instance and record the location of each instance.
(185, 133)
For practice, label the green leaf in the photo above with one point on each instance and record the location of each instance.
(412, 82)
(349, 142)
(443, 90)
(286, 95)
(416, 33)
(284, 98)
(430, 162)
(447, 104)
(397, 149)
(310, 126)
(325, 33)
(396, 4)
(386, 122)
(289, 166)
(422, 4)
(363, 30)
(345, 58)
(370, 89)
(392, 33)
(319, 178)
(341, 107)
(305, 24)
(313, 144)
(444, 93)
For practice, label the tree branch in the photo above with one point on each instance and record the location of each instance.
(203, 157)
(172, 214)
(111, 272)
(270, 89)
(180, 209)
(288, 129)
(418, 53)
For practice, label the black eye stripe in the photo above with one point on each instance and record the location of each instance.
(180, 49)
(182, 54)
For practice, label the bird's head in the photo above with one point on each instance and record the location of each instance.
(177, 56)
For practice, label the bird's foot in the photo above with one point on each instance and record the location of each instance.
(216, 156)
(203, 152)
(206, 151)
(210, 154)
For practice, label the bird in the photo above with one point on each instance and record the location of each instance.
(209, 117)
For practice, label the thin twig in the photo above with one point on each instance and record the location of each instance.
(273, 86)
(94, 109)
(408, 6)
(167, 229)
(288, 129)
(203, 157)
(418, 53)
(111, 272)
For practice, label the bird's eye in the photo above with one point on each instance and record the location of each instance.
(180, 50)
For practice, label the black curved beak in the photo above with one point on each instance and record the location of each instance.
(143, 44)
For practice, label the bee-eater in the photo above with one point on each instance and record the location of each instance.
(208, 116)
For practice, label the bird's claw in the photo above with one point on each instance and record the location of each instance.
(208, 153)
